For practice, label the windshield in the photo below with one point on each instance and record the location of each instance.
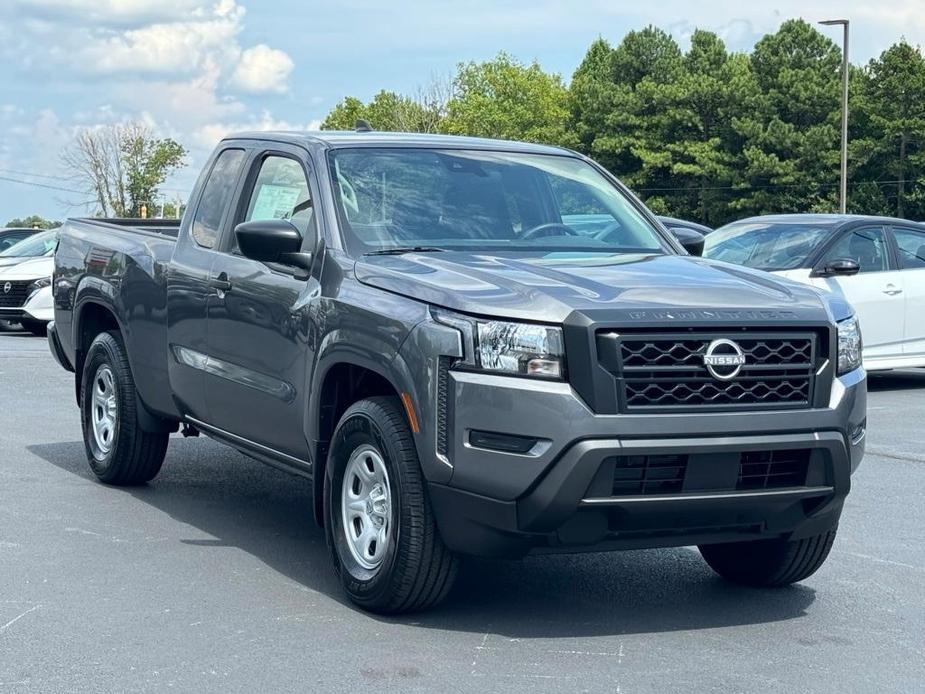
(475, 200)
(39, 244)
(765, 246)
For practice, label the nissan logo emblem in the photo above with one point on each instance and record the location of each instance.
(7, 287)
(723, 359)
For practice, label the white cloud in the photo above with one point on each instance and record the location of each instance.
(134, 39)
(263, 69)
(165, 48)
(209, 134)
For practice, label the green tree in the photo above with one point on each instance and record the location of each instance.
(619, 101)
(890, 105)
(789, 159)
(389, 111)
(122, 166)
(146, 164)
(506, 99)
(33, 222)
(345, 115)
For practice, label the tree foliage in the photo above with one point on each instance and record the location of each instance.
(122, 166)
(702, 133)
(33, 222)
(506, 99)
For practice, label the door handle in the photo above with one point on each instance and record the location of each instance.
(220, 284)
(892, 290)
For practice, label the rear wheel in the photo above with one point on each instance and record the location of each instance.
(119, 451)
(381, 531)
(769, 563)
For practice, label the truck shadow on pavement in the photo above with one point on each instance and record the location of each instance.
(878, 381)
(267, 513)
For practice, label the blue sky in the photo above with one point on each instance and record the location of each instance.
(197, 69)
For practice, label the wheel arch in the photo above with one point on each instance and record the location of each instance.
(341, 383)
(92, 318)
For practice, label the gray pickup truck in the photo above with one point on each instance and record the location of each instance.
(471, 347)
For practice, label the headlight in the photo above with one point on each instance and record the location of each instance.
(38, 284)
(849, 345)
(523, 349)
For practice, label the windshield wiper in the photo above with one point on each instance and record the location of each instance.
(399, 250)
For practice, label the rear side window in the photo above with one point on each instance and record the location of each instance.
(911, 248)
(215, 197)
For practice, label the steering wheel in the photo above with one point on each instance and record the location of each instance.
(548, 229)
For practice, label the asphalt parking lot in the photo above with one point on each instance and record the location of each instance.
(214, 578)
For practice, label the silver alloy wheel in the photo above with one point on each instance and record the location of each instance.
(366, 506)
(104, 409)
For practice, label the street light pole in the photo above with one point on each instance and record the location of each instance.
(843, 196)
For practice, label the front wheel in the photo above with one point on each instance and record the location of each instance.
(119, 451)
(769, 563)
(381, 531)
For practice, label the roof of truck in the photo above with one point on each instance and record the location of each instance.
(349, 138)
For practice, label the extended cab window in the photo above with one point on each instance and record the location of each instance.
(215, 197)
(911, 248)
(281, 192)
(866, 246)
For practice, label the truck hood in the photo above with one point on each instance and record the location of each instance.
(550, 287)
(28, 268)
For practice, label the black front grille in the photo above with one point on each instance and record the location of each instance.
(13, 294)
(773, 469)
(656, 371)
(638, 475)
(648, 474)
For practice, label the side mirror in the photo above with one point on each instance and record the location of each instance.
(272, 241)
(843, 267)
(691, 240)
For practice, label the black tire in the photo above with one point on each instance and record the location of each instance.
(769, 563)
(417, 570)
(130, 455)
(36, 327)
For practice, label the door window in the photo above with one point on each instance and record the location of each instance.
(215, 197)
(911, 248)
(865, 246)
(281, 192)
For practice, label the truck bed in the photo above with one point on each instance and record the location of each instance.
(123, 266)
(165, 227)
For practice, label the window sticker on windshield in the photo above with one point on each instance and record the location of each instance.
(275, 202)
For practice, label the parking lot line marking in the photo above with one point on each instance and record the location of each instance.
(879, 560)
(17, 618)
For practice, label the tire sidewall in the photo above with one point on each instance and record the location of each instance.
(363, 585)
(102, 351)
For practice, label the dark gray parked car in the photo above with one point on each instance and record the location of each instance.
(471, 347)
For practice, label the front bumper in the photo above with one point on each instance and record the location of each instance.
(558, 496)
(39, 306)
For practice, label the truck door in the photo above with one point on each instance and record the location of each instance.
(260, 336)
(188, 280)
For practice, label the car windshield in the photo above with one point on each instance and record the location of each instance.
(765, 246)
(36, 245)
(395, 199)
